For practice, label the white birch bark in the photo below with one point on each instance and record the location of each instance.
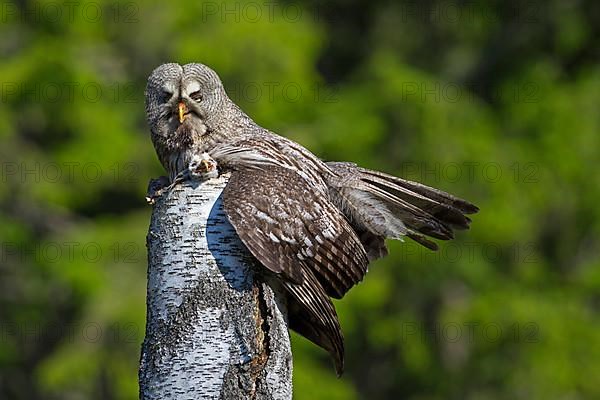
(213, 329)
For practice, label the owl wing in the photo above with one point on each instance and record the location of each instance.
(292, 228)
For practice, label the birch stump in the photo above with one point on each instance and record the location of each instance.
(214, 329)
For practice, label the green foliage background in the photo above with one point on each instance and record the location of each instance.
(494, 101)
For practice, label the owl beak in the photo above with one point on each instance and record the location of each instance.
(182, 111)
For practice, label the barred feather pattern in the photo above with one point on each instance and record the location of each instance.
(304, 239)
(390, 207)
(288, 233)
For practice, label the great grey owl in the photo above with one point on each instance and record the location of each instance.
(314, 224)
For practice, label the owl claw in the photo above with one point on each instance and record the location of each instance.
(156, 187)
(203, 167)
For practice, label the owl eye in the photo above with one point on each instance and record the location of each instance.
(197, 96)
(166, 96)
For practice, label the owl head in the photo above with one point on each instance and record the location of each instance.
(190, 96)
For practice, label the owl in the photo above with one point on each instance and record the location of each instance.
(315, 225)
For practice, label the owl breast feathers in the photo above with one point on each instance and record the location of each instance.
(314, 225)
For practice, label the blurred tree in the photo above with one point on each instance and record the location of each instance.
(495, 101)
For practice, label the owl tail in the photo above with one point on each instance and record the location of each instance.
(382, 206)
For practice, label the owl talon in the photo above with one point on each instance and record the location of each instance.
(207, 165)
(203, 167)
(156, 188)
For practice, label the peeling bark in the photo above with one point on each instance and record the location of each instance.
(214, 328)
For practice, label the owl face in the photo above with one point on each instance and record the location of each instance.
(181, 104)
